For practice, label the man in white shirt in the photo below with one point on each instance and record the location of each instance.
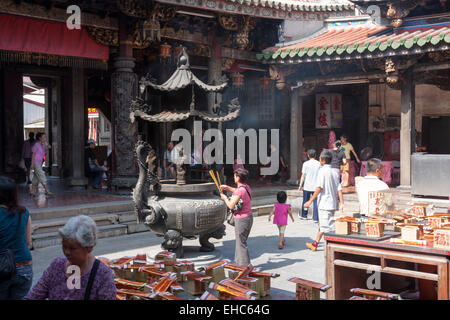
(170, 158)
(370, 184)
(309, 175)
(328, 190)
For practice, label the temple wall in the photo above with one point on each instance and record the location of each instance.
(430, 101)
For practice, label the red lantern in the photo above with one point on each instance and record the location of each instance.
(164, 50)
(265, 82)
(238, 79)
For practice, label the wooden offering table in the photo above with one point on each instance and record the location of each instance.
(357, 262)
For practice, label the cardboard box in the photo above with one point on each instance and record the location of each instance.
(217, 274)
(263, 286)
(410, 233)
(374, 229)
(251, 283)
(442, 239)
(342, 227)
(436, 221)
(308, 290)
(306, 293)
(166, 256)
(420, 209)
(355, 227)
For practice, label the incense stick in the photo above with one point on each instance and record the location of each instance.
(211, 173)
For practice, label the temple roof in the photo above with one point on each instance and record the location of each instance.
(300, 5)
(359, 37)
(297, 10)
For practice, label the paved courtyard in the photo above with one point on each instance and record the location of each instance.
(294, 260)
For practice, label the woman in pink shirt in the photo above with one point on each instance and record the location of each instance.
(37, 159)
(243, 218)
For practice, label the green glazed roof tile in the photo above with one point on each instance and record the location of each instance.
(294, 52)
(312, 51)
(436, 39)
(361, 49)
(422, 41)
(340, 50)
(303, 52)
(409, 43)
(395, 45)
(285, 53)
(276, 54)
(350, 49)
(383, 46)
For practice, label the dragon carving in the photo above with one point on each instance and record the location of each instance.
(146, 208)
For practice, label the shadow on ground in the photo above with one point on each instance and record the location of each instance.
(261, 245)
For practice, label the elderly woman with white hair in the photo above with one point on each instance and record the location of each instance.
(78, 275)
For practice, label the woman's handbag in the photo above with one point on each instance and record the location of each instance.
(7, 262)
(237, 207)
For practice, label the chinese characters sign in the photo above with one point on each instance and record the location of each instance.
(442, 239)
(374, 229)
(379, 202)
(328, 110)
(306, 293)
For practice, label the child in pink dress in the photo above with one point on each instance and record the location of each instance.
(281, 210)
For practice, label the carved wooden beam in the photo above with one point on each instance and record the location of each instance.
(55, 14)
(238, 54)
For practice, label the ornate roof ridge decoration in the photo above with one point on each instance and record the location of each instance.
(365, 41)
(135, 8)
(182, 77)
(298, 10)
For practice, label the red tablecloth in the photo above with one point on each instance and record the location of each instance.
(386, 175)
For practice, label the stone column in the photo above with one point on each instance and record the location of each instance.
(407, 129)
(76, 147)
(296, 139)
(12, 134)
(364, 117)
(124, 88)
(214, 72)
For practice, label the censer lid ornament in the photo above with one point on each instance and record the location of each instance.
(181, 78)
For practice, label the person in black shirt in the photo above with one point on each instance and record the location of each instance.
(338, 157)
(94, 167)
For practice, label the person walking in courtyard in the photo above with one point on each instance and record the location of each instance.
(243, 218)
(338, 157)
(39, 149)
(95, 168)
(15, 234)
(328, 190)
(27, 153)
(280, 211)
(79, 236)
(310, 170)
(347, 148)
